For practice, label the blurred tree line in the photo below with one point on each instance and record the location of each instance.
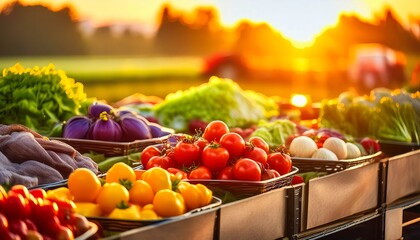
(37, 30)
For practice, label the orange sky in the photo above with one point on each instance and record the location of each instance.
(298, 20)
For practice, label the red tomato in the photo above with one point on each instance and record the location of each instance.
(66, 209)
(246, 169)
(4, 223)
(234, 143)
(64, 233)
(169, 151)
(45, 216)
(225, 174)
(269, 174)
(164, 162)
(289, 139)
(297, 179)
(148, 153)
(320, 139)
(201, 143)
(18, 226)
(196, 126)
(201, 172)
(247, 132)
(215, 130)
(279, 161)
(178, 172)
(19, 189)
(370, 145)
(30, 224)
(50, 227)
(16, 207)
(257, 154)
(237, 130)
(215, 157)
(186, 153)
(38, 193)
(260, 143)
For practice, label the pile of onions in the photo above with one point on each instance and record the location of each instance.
(105, 123)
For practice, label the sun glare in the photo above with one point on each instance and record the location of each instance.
(300, 21)
(299, 100)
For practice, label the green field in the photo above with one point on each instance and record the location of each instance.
(112, 78)
(112, 68)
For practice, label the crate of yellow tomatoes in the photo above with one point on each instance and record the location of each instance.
(125, 198)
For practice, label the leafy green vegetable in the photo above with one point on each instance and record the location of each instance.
(396, 122)
(219, 99)
(275, 132)
(384, 115)
(39, 98)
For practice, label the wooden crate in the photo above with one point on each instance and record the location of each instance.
(403, 177)
(339, 195)
(200, 226)
(259, 217)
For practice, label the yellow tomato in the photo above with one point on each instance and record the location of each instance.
(148, 206)
(120, 172)
(192, 195)
(131, 213)
(88, 209)
(158, 178)
(138, 173)
(84, 185)
(206, 193)
(148, 214)
(168, 203)
(111, 195)
(141, 193)
(61, 194)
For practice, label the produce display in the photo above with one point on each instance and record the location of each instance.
(129, 194)
(36, 214)
(106, 123)
(384, 114)
(219, 154)
(27, 158)
(40, 98)
(219, 99)
(215, 133)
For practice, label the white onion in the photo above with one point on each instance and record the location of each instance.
(352, 151)
(324, 154)
(337, 146)
(303, 147)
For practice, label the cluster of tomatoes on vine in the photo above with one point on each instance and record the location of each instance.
(220, 154)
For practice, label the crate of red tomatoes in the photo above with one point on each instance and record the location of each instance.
(224, 161)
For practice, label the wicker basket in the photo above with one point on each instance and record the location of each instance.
(242, 189)
(119, 225)
(109, 148)
(331, 166)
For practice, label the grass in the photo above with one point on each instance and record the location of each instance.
(111, 68)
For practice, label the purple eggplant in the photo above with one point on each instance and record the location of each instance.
(96, 108)
(77, 127)
(133, 128)
(155, 130)
(106, 129)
